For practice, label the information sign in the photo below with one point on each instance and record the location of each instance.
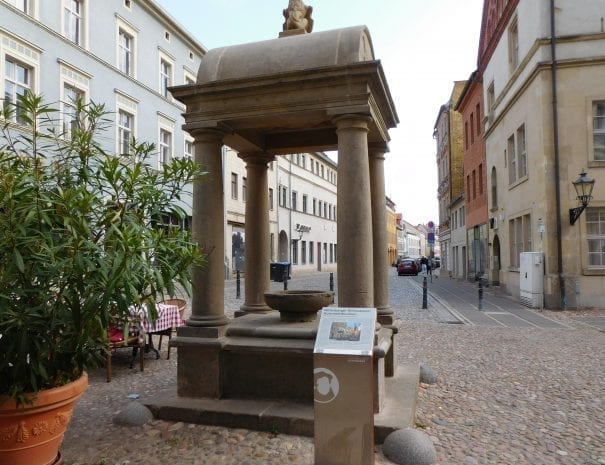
(347, 331)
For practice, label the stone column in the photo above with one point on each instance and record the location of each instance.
(257, 252)
(379, 234)
(354, 225)
(208, 301)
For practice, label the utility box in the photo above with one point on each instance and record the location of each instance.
(344, 387)
(531, 279)
(278, 271)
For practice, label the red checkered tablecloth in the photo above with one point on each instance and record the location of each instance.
(168, 317)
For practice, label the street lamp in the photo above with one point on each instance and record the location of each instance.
(583, 186)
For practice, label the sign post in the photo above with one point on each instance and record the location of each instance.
(344, 387)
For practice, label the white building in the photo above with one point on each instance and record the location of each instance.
(302, 211)
(306, 215)
(123, 53)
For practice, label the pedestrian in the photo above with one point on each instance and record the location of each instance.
(423, 263)
(429, 266)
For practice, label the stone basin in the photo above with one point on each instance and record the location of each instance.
(298, 305)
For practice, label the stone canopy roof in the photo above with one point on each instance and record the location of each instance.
(293, 53)
(283, 95)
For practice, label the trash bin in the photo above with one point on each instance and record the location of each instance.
(278, 270)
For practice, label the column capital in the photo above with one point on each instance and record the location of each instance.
(352, 121)
(206, 134)
(378, 149)
(256, 158)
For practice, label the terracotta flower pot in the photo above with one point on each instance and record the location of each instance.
(32, 433)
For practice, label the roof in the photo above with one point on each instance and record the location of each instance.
(290, 53)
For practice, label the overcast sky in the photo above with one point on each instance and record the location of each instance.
(424, 46)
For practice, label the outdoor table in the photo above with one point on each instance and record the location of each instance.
(168, 318)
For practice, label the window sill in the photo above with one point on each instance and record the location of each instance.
(517, 182)
(593, 272)
(596, 163)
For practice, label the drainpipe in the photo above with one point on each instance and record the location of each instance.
(555, 118)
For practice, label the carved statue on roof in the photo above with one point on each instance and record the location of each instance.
(298, 16)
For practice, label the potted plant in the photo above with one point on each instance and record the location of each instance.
(81, 241)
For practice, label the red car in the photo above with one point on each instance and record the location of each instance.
(407, 266)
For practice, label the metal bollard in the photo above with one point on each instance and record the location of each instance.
(237, 286)
(424, 293)
(285, 278)
(332, 282)
(480, 306)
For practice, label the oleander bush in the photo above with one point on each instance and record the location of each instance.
(80, 240)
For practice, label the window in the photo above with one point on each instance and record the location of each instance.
(189, 148)
(512, 161)
(127, 4)
(74, 87)
(283, 200)
(598, 130)
(491, 97)
(304, 162)
(244, 187)
(166, 76)
(189, 77)
(478, 113)
(304, 203)
(295, 252)
(521, 152)
(165, 147)
(481, 179)
(234, 186)
(303, 252)
(319, 204)
(595, 234)
(472, 125)
(325, 210)
(474, 185)
(17, 81)
(314, 206)
(519, 230)
(466, 135)
(126, 119)
(294, 200)
(24, 5)
(126, 51)
(125, 128)
(270, 199)
(167, 36)
(71, 95)
(322, 171)
(72, 20)
(311, 251)
(325, 253)
(331, 253)
(513, 46)
(494, 188)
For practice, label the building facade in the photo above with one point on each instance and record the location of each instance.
(122, 53)
(474, 255)
(448, 135)
(306, 216)
(544, 102)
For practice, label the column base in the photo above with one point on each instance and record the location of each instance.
(207, 321)
(385, 315)
(246, 309)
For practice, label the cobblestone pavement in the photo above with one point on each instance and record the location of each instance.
(505, 395)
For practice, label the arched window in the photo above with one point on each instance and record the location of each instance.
(494, 188)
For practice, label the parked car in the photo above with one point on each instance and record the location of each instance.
(407, 266)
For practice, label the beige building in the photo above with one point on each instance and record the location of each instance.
(391, 231)
(448, 134)
(545, 123)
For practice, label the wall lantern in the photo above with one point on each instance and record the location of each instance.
(583, 186)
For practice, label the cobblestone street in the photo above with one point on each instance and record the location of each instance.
(518, 390)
